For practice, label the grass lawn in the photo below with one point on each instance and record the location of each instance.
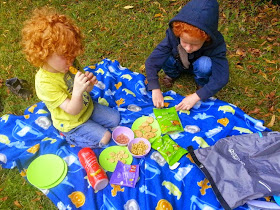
(129, 34)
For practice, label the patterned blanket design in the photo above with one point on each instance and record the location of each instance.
(24, 138)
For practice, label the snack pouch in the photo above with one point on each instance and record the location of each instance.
(125, 175)
(169, 149)
(168, 120)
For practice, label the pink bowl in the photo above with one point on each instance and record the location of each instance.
(136, 141)
(122, 130)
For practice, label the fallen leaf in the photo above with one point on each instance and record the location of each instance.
(128, 7)
(158, 15)
(4, 198)
(264, 75)
(272, 121)
(142, 68)
(270, 39)
(17, 204)
(271, 95)
(260, 102)
(240, 52)
(179, 86)
(271, 109)
(263, 43)
(266, 115)
(36, 199)
(239, 67)
(255, 111)
(268, 61)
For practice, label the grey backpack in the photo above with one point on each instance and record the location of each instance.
(241, 168)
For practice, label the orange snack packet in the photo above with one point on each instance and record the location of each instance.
(73, 70)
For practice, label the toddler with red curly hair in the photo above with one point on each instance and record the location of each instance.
(51, 42)
(194, 45)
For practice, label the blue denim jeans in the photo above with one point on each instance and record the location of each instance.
(92, 131)
(201, 69)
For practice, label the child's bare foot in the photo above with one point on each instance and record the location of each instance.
(106, 138)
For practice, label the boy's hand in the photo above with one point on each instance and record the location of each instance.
(81, 83)
(157, 98)
(188, 102)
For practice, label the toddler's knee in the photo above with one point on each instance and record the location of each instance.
(203, 64)
(115, 120)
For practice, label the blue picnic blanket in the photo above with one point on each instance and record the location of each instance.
(24, 138)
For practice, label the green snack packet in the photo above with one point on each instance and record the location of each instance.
(169, 149)
(168, 120)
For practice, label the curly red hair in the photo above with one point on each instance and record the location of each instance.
(181, 27)
(48, 32)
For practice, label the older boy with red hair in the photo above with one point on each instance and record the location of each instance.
(192, 44)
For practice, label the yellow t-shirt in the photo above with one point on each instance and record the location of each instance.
(53, 89)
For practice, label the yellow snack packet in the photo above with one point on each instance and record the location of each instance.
(76, 67)
(73, 70)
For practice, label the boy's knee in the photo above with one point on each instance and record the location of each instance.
(203, 64)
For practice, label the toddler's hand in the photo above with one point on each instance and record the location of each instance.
(91, 78)
(188, 102)
(157, 97)
(81, 83)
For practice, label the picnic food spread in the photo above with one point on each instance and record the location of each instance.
(145, 129)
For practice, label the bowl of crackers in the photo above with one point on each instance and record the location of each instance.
(122, 135)
(139, 147)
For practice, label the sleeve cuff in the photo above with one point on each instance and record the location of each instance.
(153, 84)
(204, 93)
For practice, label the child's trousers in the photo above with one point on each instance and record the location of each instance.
(92, 131)
(201, 69)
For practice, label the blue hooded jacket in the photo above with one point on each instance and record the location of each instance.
(203, 14)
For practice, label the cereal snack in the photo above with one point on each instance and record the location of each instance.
(168, 120)
(169, 149)
(139, 147)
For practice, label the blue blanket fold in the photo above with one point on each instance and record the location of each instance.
(24, 138)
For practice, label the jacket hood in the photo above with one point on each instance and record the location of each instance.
(203, 14)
